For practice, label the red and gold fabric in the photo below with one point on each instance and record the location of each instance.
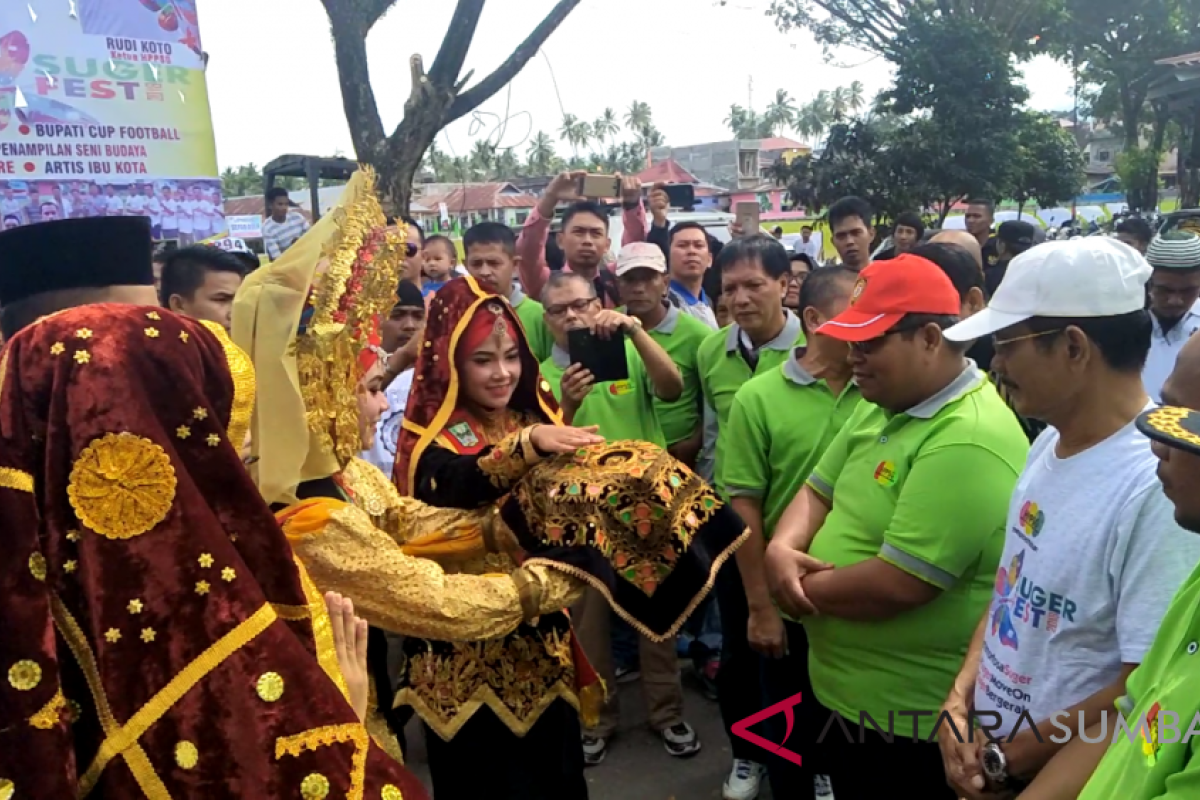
(159, 640)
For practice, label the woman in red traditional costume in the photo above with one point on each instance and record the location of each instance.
(482, 431)
(159, 640)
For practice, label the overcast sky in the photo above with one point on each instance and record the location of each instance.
(273, 83)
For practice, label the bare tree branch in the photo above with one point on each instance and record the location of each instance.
(358, 99)
(450, 57)
(373, 10)
(482, 91)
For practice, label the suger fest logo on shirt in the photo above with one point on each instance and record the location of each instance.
(885, 473)
(1020, 600)
(1032, 518)
(618, 388)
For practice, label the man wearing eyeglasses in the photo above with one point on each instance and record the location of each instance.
(1092, 554)
(889, 551)
(1174, 290)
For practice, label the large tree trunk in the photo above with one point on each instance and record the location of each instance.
(1193, 196)
(437, 98)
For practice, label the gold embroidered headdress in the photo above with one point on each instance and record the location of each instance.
(304, 319)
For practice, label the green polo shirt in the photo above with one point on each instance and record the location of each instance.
(782, 421)
(681, 336)
(1165, 767)
(927, 491)
(621, 409)
(533, 320)
(723, 370)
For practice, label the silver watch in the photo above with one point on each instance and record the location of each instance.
(994, 763)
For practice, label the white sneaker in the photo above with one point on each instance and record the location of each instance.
(823, 787)
(744, 780)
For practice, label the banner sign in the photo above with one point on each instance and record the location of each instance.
(104, 112)
(248, 226)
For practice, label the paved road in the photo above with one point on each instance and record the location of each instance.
(637, 766)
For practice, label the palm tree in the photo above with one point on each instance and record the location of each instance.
(637, 119)
(736, 119)
(483, 158)
(570, 130)
(605, 126)
(781, 113)
(813, 117)
(839, 102)
(856, 96)
(541, 154)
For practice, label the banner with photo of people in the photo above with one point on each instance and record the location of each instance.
(104, 112)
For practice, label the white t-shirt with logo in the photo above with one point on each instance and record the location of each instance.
(170, 214)
(154, 210)
(1091, 560)
(203, 218)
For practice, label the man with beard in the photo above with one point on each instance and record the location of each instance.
(1174, 289)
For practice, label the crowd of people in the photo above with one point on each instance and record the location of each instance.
(262, 518)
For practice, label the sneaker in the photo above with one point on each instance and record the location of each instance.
(681, 740)
(823, 787)
(594, 750)
(744, 780)
(627, 674)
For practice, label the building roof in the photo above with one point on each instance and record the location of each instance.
(781, 143)
(1188, 60)
(666, 171)
(464, 198)
(254, 205)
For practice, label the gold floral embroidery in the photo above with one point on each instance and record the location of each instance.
(314, 786)
(183, 336)
(50, 714)
(202, 587)
(15, 479)
(228, 574)
(82, 357)
(37, 566)
(70, 565)
(57, 349)
(199, 413)
(628, 499)
(73, 535)
(148, 635)
(206, 560)
(153, 315)
(135, 606)
(269, 687)
(183, 431)
(213, 440)
(186, 755)
(152, 332)
(323, 737)
(241, 368)
(83, 333)
(390, 792)
(517, 677)
(112, 635)
(508, 459)
(122, 485)
(24, 675)
(7, 789)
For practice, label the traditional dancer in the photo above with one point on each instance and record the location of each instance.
(159, 640)
(479, 432)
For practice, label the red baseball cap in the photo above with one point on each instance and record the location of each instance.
(886, 291)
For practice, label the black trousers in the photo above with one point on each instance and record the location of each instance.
(486, 759)
(862, 764)
(738, 691)
(783, 678)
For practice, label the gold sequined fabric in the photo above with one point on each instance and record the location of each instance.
(509, 459)
(122, 485)
(629, 499)
(343, 551)
(517, 677)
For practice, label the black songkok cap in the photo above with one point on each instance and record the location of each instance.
(74, 254)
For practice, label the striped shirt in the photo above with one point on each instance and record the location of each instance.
(279, 236)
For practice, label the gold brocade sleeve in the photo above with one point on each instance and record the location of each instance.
(344, 552)
(510, 458)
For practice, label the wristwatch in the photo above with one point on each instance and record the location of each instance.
(995, 764)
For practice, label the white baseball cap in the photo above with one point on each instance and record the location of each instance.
(641, 255)
(1090, 277)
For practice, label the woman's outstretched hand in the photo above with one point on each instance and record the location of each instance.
(350, 640)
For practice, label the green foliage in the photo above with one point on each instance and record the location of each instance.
(877, 26)
(1047, 164)
(1138, 170)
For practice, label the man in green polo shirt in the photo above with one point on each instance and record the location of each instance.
(1161, 704)
(621, 410)
(755, 273)
(781, 423)
(892, 545)
(642, 279)
(490, 249)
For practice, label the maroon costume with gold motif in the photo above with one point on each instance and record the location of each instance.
(159, 639)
